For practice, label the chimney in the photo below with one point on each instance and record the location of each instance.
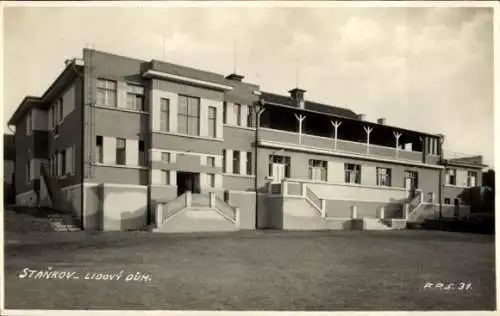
(361, 117)
(381, 121)
(235, 77)
(297, 96)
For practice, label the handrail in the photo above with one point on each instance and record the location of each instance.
(315, 200)
(225, 209)
(172, 207)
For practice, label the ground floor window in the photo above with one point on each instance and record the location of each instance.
(384, 177)
(279, 166)
(318, 170)
(352, 173)
(411, 179)
(447, 201)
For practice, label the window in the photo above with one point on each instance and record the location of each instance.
(384, 177)
(224, 160)
(471, 178)
(352, 173)
(64, 166)
(189, 116)
(451, 177)
(317, 170)
(106, 92)
(121, 149)
(211, 161)
(447, 201)
(135, 98)
(142, 153)
(236, 162)
(249, 163)
(411, 179)
(29, 123)
(212, 122)
(430, 197)
(282, 160)
(28, 172)
(165, 157)
(250, 117)
(98, 149)
(164, 115)
(211, 180)
(224, 112)
(237, 112)
(165, 177)
(60, 109)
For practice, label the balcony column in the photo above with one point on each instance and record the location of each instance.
(300, 118)
(368, 130)
(397, 135)
(335, 125)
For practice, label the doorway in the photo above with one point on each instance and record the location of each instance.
(188, 181)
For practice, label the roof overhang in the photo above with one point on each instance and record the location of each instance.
(65, 77)
(464, 164)
(195, 82)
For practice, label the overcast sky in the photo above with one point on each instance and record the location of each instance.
(428, 69)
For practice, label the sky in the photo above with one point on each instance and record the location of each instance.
(427, 69)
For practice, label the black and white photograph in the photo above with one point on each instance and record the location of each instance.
(248, 156)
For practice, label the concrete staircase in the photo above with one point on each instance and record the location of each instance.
(195, 213)
(375, 224)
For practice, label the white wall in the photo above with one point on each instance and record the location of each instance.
(353, 192)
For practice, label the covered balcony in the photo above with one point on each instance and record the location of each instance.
(309, 129)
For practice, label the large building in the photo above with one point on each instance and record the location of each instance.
(132, 144)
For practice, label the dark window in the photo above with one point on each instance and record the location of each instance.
(224, 112)
(447, 201)
(451, 176)
(142, 153)
(236, 162)
(98, 149)
(249, 163)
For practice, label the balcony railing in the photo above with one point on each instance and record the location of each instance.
(343, 146)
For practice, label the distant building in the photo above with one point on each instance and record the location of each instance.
(8, 168)
(127, 143)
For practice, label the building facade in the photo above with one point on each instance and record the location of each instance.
(129, 144)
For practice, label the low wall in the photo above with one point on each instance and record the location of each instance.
(111, 207)
(354, 192)
(245, 201)
(342, 208)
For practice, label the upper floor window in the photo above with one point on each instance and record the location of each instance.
(188, 118)
(164, 115)
(106, 92)
(212, 121)
(384, 177)
(236, 162)
(317, 170)
(224, 159)
(121, 149)
(250, 116)
(352, 173)
(471, 178)
(98, 151)
(249, 163)
(224, 112)
(165, 157)
(451, 176)
(237, 114)
(211, 161)
(142, 153)
(135, 97)
(211, 180)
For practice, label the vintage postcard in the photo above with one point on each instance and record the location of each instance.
(248, 156)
